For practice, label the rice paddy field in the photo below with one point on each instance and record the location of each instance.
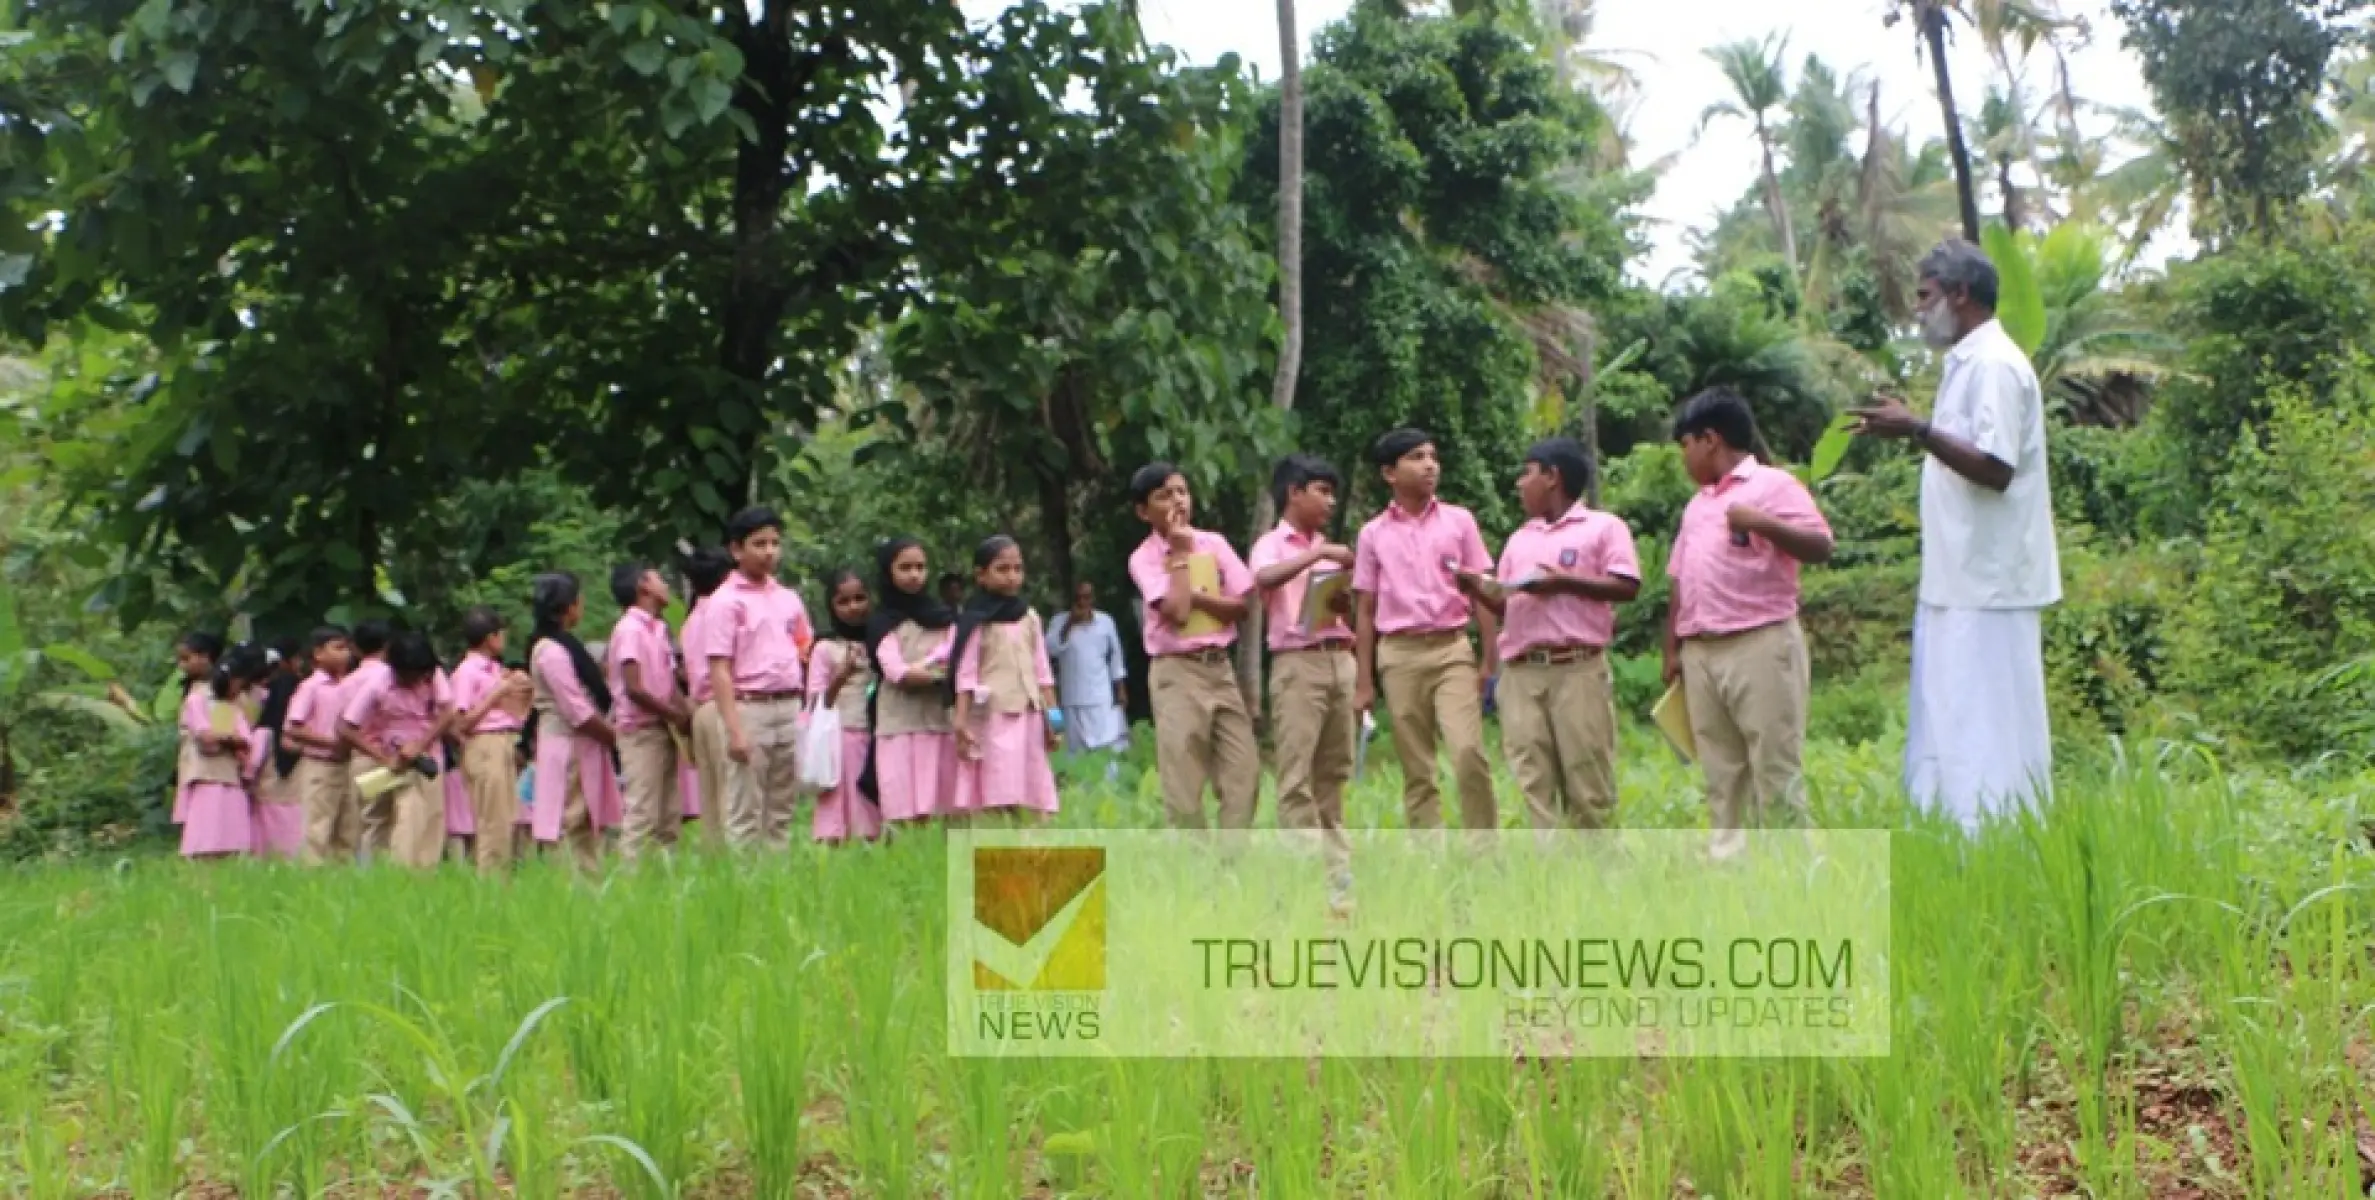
(2160, 988)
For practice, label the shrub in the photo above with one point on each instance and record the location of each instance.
(2105, 644)
(104, 793)
(2285, 593)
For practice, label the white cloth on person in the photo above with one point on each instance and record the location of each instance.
(1981, 548)
(1977, 741)
(1089, 667)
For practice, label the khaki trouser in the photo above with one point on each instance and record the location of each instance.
(1430, 685)
(655, 812)
(1558, 728)
(333, 821)
(761, 794)
(411, 831)
(1203, 732)
(577, 823)
(1747, 696)
(491, 771)
(1314, 726)
(709, 762)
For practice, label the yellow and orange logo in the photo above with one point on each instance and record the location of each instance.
(1039, 919)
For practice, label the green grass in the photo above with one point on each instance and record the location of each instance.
(2164, 982)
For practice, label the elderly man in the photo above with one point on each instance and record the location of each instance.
(1977, 741)
(1090, 674)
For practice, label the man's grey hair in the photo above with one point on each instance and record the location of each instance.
(1959, 264)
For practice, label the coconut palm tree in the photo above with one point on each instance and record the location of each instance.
(1759, 86)
(2144, 193)
(2004, 135)
(1929, 31)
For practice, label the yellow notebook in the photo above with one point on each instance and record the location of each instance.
(1673, 717)
(1204, 580)
(1319, 600)
(374, 784)
(222, 719)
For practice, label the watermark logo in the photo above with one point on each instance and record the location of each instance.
(1039, 919)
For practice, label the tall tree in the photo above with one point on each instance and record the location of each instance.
(2239, 82)
(1290, 309)
(1759, 87)
(1930, 33)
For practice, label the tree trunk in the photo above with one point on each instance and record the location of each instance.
(1933, 31)
(1290, 313)
(1055, 524)
(755, 293)
(2015, 212)
(1775, 204)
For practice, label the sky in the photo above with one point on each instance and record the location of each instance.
(1664, 41)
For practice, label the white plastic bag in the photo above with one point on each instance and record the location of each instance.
(820, 748)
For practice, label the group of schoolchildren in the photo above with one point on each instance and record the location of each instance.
(1543, 617)
(369, 746)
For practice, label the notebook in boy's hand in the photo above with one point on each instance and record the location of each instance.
(1319, 600)
(1673, 717)
(1204, 580)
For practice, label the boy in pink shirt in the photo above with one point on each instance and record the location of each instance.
(370, 672)
(1311, 669)
(1203, 730)
(1417, 564)
(755, 644)
(1732, 636)
(333, 819)
(646, 711)
(1561, 576)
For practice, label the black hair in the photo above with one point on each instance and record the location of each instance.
(1150, 479)
(1722, 412)
(479, 624)
(201, 642)
(750, 521)
(550, 596)
(949, 577)
(244, 663)
(1398, 445)
(1301, 471)
(991, 547)
(288, 648)
(411, 657)
(626, 579)
(1566, 458)
(323, 635)
(371, 636)
(706, 570)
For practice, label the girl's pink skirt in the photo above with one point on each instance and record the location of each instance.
(459, 820)
(916, 774)
(215, 820)
(845, 810)
(279, 815)
(1012, 771)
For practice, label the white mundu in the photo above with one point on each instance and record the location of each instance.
(1977, 739)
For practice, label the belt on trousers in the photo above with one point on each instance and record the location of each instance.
(1338, 646)
(1555, 656)
(767, 697)
(1424, 635)
(1205, 658)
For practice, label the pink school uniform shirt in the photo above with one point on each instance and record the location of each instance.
(760, 628)
(1721, 588)
(1150, 571)
(314, 708)
(1400, 561)
(1283, 607)
(473, 681)
(390, 715)
(1579, 542)
(642, 639)
(551, 662)
(693, 637)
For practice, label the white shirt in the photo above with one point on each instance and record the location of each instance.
(1981, 548)
(1088, 660)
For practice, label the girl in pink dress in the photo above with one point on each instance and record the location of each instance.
(1005, 688)
(577, 793)
(196, 654)
(841, 668)
(279, 814)
(212, 795)
(913, 766)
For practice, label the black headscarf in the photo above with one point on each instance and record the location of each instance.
(892, 608)
(981, 608)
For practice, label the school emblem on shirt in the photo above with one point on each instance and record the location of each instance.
(1569, 557)
(1039, 919)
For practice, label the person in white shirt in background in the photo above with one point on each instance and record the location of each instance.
(1090, 675)
(1977, 740)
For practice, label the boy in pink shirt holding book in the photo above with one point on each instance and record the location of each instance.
(1203, 730)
